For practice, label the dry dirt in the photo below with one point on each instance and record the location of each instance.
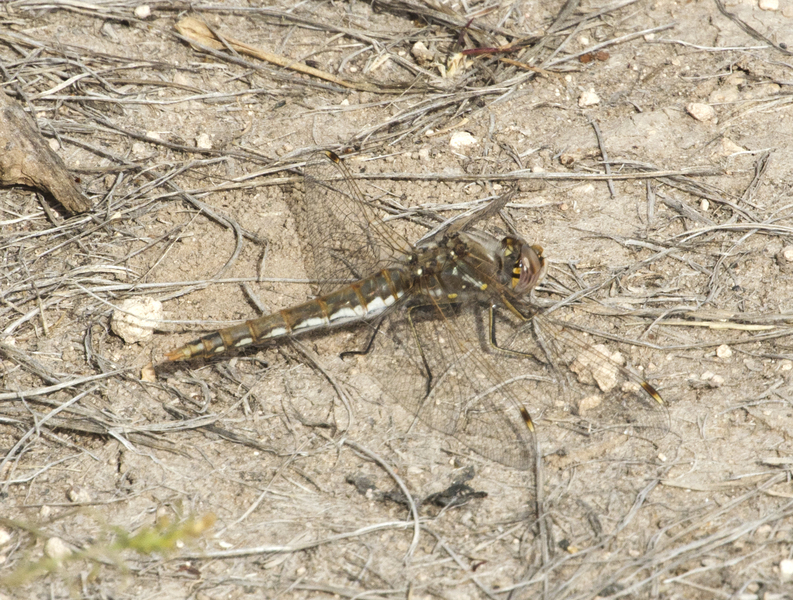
(692, 266)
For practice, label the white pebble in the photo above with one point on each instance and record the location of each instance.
(768, 4)
(135, 319)
(786, 570)
(462, 139)
(54, 145)
(424, 154)
(143, 11)
(704, 205)
(701, 112)
(56, 548)
(203, 141)
(78, 495)
(717, 381)
(787, 253)
(5, 537)
(421, 53)
(724, 351)
(139, 148)
(589, 402)
(589, 98)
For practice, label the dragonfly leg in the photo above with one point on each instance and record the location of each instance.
(494, 343)
(368, 347)
(421, 351)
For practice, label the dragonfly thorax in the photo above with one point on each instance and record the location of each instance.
(475, 262)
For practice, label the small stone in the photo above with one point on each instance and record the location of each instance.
(54, 145)
(139, 148)
(724, 351)
(108, 31)
(5, 537)
(148, 374)
(78, 495)
(784, 259)
(704, 205)
(717, 381)
(424, 154)
(589, 402)
(786, 570)
(727, 148)
(589, 98)
(135, 319)
(422, 54)
(701, 112)
(706, 376)
(56, 548)
(203, 141)
(768, 4)
(143, 11)
(462, 139)
(596, 367)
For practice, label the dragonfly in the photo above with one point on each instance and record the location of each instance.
(454, 335)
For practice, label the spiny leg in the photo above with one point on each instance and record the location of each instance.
(369, 345)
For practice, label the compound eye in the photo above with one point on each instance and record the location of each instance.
(528, 270)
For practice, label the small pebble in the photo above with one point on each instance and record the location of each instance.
(704, 205)
(786, 570)
(139, 148)
(78, 495)
(589, 402)
(724, 351)
(701, 112)
(54, 145)
(421, 53)
(203, 141)
(462, 139)
(768, 4)
(589, 98)
(424, 154)
(135, 318)
(5, 537)
(143, 11)
(56, 548)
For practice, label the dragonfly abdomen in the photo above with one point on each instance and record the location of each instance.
(359, 301)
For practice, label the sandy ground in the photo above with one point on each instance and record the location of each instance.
(188, 154)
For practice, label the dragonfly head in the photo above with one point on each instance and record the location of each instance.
(525, 264)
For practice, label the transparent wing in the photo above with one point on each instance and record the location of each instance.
(345, 239)
(431, 361)
(442, 363)
(597, 394)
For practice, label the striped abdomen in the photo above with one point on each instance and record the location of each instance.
(359, 301)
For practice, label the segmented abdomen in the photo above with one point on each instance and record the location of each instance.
(359, 301)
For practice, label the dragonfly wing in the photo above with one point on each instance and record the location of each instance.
(596, 394)
(346, 237)
(436, 367)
